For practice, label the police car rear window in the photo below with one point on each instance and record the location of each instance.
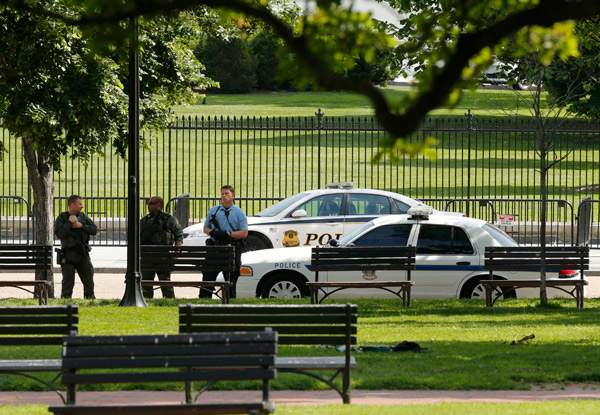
(499, 235)
(277, 208)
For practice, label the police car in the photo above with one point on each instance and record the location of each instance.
(449, 261)
(314, 217)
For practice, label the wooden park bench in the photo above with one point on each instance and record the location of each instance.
(190, 259)
(528, 259)
(140, 359)
(36, 326)
(333, 325)
(366, 260)
(27, 258)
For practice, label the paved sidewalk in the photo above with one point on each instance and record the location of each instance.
(297, 398)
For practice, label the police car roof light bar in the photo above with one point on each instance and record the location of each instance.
(420, 212)
(340, 185)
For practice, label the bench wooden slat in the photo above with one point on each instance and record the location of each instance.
(37, 310)
(324, 319)
(312, 363)
(274, 309)
(38, 319)
(219, 349)
(176, 360)
(281, 330)
(37, 365)
(34, 330)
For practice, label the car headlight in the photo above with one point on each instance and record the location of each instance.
(245, 271)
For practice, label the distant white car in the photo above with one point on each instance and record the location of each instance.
(449, 261)
(314, 217)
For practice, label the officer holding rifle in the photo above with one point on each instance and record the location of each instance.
(226, 224)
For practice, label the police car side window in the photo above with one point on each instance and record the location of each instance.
(402, 207)
(368, 204)
(326, 205)
(439, 239)
(391, 235)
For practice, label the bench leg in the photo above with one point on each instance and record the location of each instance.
(579, 292)
(488, 296)
(346, 385)
(313, 295)
(407, 295)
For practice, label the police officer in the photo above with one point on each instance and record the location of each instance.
(74, 228)
(225, 224)
(159, 228)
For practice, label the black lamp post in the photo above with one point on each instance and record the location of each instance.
(133, 279)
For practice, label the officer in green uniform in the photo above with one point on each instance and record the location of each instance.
(74, 228)
(159, 228)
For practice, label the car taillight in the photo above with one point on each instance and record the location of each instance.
(567, 273)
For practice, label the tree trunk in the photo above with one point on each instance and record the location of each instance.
(40, 177)
(543, 216)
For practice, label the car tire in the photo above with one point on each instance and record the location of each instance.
(285, 286)
(254, 243)
(474, 290)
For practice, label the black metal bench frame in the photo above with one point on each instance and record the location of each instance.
(299, 324)
(27, 258)
(169, 358)
(36, 326)
(529, 259)
(365, 259)
(191, 259)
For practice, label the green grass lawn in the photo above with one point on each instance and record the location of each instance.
(483, 102)
(468, 345)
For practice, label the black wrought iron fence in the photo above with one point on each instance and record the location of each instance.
(268, 159)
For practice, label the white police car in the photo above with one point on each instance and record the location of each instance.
(314, 217)
(449, 261)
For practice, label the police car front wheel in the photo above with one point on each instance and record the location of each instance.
(254, 243)
(285, 286)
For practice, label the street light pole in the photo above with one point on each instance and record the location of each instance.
(133, 280)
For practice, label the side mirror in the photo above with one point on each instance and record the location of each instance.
(300, 213)
(334, 242)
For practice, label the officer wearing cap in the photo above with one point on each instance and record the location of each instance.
(226, 224)
(159, 228)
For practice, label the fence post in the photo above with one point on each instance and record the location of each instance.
(319, 115)
(469, 116)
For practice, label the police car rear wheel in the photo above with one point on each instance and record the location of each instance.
(473, 289)
(284, 286)
(254, 243)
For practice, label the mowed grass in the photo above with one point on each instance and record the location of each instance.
(482, 102)
(468, 346)
(587, 407)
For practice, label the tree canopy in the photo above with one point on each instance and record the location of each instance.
(456, 39)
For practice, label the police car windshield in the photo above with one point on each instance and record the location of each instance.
(277, 208)
(499, 235)
(348, 238)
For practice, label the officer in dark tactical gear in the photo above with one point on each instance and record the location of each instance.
(159, 228)
(74, 228)
(226, 224)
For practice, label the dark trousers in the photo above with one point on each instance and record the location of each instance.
(232, 277)
(167, 292)
(77, 261)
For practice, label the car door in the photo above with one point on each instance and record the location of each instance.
(323, 220)
(387, 235)
(445, 255)
(363, 207)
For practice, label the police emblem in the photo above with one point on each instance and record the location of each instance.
(369, 275)
(290, 239)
